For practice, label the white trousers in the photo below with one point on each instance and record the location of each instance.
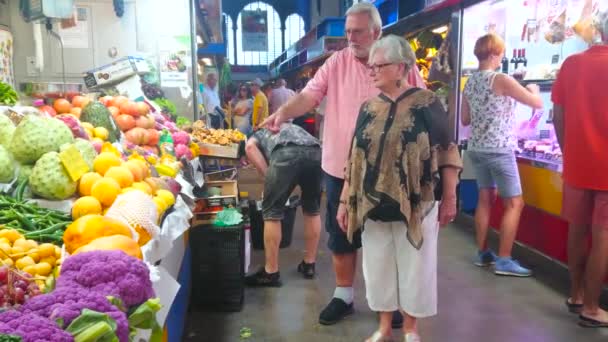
(397, 275)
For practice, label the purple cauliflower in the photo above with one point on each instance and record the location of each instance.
(66, 304)
(110, 273)
(32, 328)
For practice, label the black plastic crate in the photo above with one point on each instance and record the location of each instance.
(287, 224)
(218, 267)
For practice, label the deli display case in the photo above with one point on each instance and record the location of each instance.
(539, 36)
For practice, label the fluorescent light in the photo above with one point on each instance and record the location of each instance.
(441, 29)
(207, 61)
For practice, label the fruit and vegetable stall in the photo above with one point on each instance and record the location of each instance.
(97, 194)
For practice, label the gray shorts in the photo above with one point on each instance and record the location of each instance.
(289, 167)
(497, 170)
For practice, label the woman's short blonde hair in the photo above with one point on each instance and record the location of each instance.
(395, 49)
(488, 45)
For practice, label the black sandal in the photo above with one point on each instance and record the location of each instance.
(591, 323)
(574, 308)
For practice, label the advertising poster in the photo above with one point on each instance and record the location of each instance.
(213, 16)
(254, 26)
(6, 57)
(174, 68)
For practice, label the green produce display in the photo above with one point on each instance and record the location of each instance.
(98, 115)
(167, 106)
(34, 222)
(36, 136)
(7, 128)
(50, 180)
(9, 338)
(7, 166)
(86, 150)
(8, 95)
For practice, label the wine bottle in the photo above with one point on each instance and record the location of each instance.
(505, 64)
(514, 60)
(524, 60)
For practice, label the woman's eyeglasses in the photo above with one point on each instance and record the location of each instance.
(376, 67)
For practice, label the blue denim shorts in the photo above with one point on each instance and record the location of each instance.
(497, 170)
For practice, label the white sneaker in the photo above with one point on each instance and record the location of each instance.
(411, 337)
(378, 337)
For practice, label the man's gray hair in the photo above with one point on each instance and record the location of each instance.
(601, 24)
(370, 10)
(396, 50)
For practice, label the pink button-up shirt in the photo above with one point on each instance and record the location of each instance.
(347, 83)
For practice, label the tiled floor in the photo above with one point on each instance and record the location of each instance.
(474, 305)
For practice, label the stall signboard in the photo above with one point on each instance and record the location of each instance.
(436, 4)
(213, 10)
(174, 69)
(254, 25)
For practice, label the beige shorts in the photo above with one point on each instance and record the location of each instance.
(397, 275)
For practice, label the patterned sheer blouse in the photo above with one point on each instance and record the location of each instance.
(397, 152)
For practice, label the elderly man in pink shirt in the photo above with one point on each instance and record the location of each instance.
(346, 83)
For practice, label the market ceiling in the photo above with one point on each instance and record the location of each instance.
(283, 7)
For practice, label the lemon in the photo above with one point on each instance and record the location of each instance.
(167, 196)
(46, 250)
(24, 262)
(43, 269)
(101, 133)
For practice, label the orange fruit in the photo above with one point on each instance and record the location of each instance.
(62, 106)
(86, 205)
(104, 161)
(142, 186)
(80, 101)
(105, 190)
(76, 111)
(86, 183)
(139, 173)
(120, 174)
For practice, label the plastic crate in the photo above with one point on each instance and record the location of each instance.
(287, 224)
(218, 267)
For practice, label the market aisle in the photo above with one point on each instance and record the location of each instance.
(474, 305)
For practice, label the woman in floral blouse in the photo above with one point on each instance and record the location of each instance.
(402, 160)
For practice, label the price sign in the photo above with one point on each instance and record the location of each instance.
(74, 163)
(545, 134)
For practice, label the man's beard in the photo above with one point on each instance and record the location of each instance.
(360, 52)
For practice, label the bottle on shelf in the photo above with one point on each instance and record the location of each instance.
(505, 64)
(514, 60)
(524, 60)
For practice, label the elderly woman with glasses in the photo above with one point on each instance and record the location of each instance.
(403, 161)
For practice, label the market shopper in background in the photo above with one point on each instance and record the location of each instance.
(260, 103)
(346, 82)
(280, 95)
(211, 100)
(489, 108)
(286, 159)
(402, 147)
(242, 105)
(580, 116)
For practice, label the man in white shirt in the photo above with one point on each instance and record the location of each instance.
(280, 95)
(211, 100)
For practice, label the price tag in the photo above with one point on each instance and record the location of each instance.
(74, 163)
(545, 134)
(555, 59)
